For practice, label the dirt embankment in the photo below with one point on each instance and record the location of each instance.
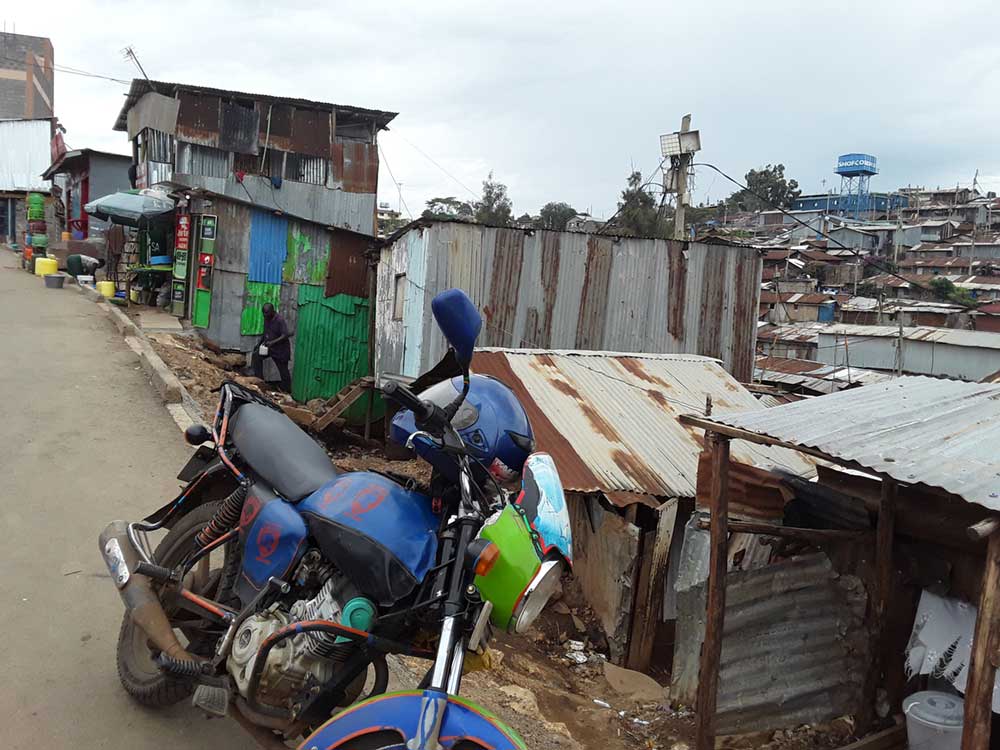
(553, 685)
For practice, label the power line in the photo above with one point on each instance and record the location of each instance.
(72, 71)
(399, 188)
(130, 54)
(854, 251)
(643, 186)
(431, 160)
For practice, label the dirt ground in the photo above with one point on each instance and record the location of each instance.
(549, 684)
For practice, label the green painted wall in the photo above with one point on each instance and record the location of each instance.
(202, 308)
(252, 318)
(306, 258)
(331, 346)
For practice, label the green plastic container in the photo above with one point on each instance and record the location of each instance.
(36, 200)
(39, 240)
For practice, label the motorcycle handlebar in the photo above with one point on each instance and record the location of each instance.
(402, 395)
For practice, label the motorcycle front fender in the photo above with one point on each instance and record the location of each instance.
(400, 713)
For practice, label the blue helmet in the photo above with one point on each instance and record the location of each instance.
(491, 421)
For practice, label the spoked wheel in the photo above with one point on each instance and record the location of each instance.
(389, 740)
(139, 674)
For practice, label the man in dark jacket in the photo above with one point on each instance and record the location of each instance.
(275, 344)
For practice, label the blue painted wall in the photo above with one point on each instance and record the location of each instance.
(268, 246)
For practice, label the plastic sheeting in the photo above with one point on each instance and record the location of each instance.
(24, 154)
(941, 642)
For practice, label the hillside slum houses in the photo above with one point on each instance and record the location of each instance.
(277, 197)
(879, 576)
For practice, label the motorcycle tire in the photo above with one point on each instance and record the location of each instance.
(139, 675)
(388, 740)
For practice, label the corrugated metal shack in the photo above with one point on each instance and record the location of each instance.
(24, 155)
(316, 277)
(629, 467)
(282, 197)
(940, 352)
(543, 289)
(821, 628)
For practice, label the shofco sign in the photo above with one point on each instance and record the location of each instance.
(855, 162)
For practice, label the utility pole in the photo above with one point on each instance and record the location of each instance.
(899, 344)
(679, 166)
(680, 147)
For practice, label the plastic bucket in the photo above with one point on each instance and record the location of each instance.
(54, 280)
(106, 288)
(46, 266)
(66, 236)
(934, 721)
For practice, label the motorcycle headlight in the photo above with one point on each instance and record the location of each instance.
(537, 595)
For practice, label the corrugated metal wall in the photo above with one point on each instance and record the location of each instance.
(228, 293)
(794, 649)
(565, 290)
(25, 154)
(232, 238)
(268, 246)
(932, 358)
(330, 334)
(308, 252)
(331, 343)
(201, 160)
(258, 294)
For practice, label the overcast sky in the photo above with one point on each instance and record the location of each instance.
(562, 100)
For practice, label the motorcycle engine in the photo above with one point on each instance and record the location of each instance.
(298, 664)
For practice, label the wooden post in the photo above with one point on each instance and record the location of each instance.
(372, 304)
(983, 667)
(880, 601)
(711, 650)
(647, 608)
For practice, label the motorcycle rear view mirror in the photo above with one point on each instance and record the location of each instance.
(459, 321)
(197, 434)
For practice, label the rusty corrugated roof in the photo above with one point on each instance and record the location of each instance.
(141, 86)
(610, 419)
(917, 430)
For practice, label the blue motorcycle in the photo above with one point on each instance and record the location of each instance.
(282, 585)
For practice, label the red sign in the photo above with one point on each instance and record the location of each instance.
(205, 259)
(182, 233)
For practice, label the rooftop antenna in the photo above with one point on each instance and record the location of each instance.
(129, 54)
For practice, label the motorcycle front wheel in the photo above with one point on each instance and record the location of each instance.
(388, 740)
(138, 673)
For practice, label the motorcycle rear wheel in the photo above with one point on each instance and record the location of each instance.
(138, 673)
(388, 740)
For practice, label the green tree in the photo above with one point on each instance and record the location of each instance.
(555, 216)
(638, 214)
(769, 183)
(495, 206)
(946, 291)
(448, 208)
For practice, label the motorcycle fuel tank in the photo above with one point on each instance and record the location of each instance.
(381, 535)
(273, 537)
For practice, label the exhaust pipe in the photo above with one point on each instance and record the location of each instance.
(136, 591)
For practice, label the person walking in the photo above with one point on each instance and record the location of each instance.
(276, 345)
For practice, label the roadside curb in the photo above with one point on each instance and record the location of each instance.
(181, 406)
(161, 376)
(90, 293)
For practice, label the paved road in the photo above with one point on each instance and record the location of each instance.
(83, 440)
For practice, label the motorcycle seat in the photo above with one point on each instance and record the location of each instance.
(280, 452)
